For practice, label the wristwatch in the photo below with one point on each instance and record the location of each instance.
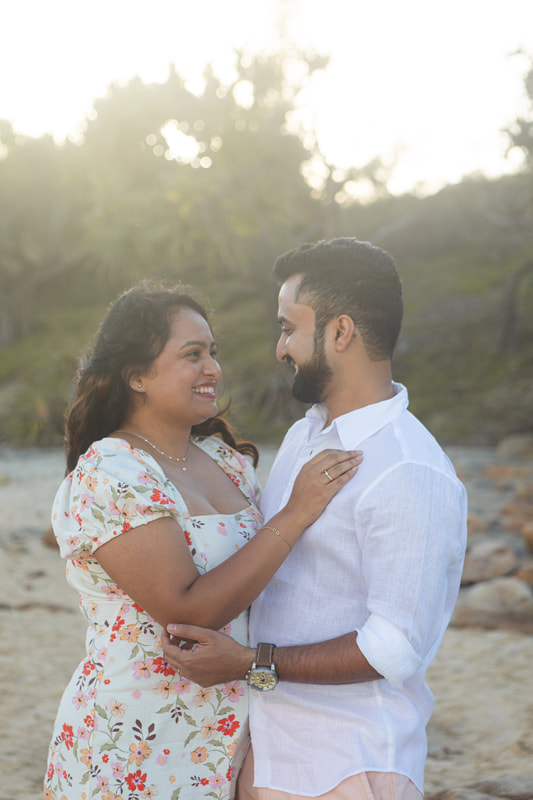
(262, 675)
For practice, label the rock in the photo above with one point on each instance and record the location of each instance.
(525, 571)
(527, 533)
(517, 446)
(460, 794)
(48, 539)
(515, 515)
(503, 596)
(509, 787)
(505, 603)
(524, 491)
(518, 508)
(513, 525)
(503, 472)
(475, 524)
(488, 620)
(505, 788)
(490, 558)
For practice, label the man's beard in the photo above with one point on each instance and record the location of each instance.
(311, 379)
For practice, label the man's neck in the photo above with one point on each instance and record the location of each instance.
(374, 389)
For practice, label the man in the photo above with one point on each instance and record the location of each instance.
(359, 608)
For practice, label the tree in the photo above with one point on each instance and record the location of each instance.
(39, 229)
(521, 136)
(162, 183)
(521, 131)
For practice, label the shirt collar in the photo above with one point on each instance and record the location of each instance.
(356, 426)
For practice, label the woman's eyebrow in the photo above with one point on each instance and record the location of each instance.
(196, 343)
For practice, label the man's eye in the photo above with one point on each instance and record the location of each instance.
(193, 354)
(285, 329)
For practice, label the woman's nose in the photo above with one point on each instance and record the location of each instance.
(212, 367)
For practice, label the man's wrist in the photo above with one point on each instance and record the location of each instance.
(246, 661)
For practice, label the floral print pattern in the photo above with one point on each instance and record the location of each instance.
(128, 727)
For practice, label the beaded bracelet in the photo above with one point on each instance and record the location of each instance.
(275, 530)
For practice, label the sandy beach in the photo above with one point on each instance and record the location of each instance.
(482, 727)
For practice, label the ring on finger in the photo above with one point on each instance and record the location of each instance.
(326, 473)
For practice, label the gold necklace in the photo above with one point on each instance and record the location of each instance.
(161, 452)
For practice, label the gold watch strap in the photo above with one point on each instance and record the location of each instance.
(264, 655)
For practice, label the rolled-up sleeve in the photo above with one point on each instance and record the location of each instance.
(386, 648)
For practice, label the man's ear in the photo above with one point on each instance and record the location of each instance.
(345, 332)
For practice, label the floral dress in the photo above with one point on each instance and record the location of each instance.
(128, 727)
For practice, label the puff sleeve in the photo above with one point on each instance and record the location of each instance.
(112, 490)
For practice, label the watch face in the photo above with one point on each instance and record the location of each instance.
(263, 679)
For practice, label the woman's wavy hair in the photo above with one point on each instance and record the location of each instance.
(135, 330)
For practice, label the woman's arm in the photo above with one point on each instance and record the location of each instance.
(152, 563)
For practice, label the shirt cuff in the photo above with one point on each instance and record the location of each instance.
(387, 650)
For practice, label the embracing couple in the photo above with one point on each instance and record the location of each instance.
(350, 560)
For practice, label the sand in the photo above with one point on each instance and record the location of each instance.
(482, 726)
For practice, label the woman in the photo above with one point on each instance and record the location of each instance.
(158, 521)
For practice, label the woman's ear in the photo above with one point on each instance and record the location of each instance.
(135, 382)
(345, 332)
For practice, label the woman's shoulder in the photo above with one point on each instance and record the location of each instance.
(220, 451)
(236, 466)
(115, 461)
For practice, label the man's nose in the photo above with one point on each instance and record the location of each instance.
(281, 350)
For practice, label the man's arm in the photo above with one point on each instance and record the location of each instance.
(217, 658)
(412, 563)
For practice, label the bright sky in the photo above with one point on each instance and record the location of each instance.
(429, 82)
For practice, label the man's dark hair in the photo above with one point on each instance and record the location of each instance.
(346, 276)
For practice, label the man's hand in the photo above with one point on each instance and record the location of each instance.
(214, 658)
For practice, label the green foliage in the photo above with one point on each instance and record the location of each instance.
(36, 374)
(458, 253)
(81, 222)
(84, 221)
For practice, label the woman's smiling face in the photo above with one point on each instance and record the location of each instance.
(181, 384)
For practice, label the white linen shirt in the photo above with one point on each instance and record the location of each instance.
(384, 559)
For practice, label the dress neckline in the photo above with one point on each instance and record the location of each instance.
(198, 443)
(248, 510)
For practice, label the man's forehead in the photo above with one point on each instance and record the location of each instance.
(288, 294)
(289, 304)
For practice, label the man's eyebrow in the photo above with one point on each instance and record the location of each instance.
(281, 320)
